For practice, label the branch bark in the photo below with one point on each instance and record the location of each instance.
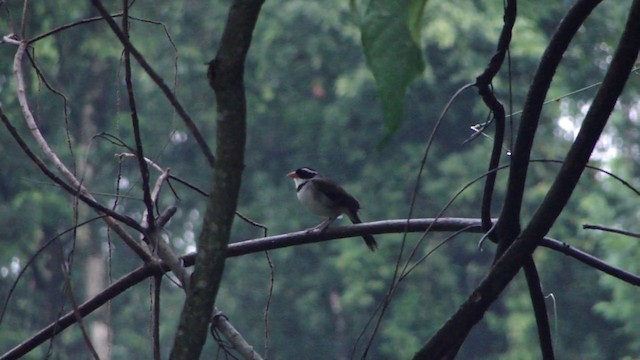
(204, 147)
(298, 238)
(225, 74)
(483, 82)
(508, 225)
(446, 342)
(75, 188)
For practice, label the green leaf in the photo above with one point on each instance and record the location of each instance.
(390, 33)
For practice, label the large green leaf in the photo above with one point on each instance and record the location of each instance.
(390, 31)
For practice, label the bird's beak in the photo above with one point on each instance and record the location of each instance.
(292, 175)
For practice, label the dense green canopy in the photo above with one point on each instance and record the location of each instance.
(312, 101)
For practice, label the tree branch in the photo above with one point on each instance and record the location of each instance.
(298, 238)
(446, 342)
(226, 77)
(590, 260)
(539, 308)
(111, 217)
(135, 124)
(204, 147)
(508, 225)
(115, 289)
(483, 82)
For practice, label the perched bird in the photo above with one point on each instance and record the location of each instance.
(324, 197)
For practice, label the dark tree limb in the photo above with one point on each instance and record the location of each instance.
(508, 225)
(135, 124)
(298, 238)
(446, 342)
(115, 289)
(204, 147)
(612, 230)
(483, 82)
(539, 308)
(226, 77)
(590, 260)
(78, 191)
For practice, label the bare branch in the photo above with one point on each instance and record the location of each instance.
(483, 82)
(76, 311)
(448, 339)
(226, 78)
(590, 260)
(508, 226)
(297, 238)
(68, 26)
(155, 326)
(497, 109)
(135, 122)
(204, 147)
(609, 229)
(112, 215)
(32, 258)
(115, 289)
(539, 308)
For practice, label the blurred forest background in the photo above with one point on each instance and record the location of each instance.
(312, 102)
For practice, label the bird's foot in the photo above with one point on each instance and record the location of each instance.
(315, 230)
(320, 227)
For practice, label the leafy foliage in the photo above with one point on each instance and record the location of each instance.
(391, 38)
(312, 101)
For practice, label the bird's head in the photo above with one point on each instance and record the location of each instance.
(302, 175)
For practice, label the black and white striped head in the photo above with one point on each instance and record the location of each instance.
(302, 175)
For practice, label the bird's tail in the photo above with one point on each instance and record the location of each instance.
(368, 239)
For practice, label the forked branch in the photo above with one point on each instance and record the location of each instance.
(446, 342)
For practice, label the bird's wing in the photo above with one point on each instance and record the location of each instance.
(337, 194)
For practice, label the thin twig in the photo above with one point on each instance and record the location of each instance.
(68, 26)
(135, 122)
(414, 195)
(74, 304)
(111, 215)
(76, 188)
(612, 230)
(33, 257)
(204, 147)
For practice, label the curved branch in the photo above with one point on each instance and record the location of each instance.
(508, 225)
(68, 26)
(483, 82)
(448, 339)
(87, 199)
(204, 147)
(484, 88)
(226, 78)
(612, 230)
(116, 288)
(298, 238)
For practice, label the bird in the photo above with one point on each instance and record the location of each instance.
(324, 197)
